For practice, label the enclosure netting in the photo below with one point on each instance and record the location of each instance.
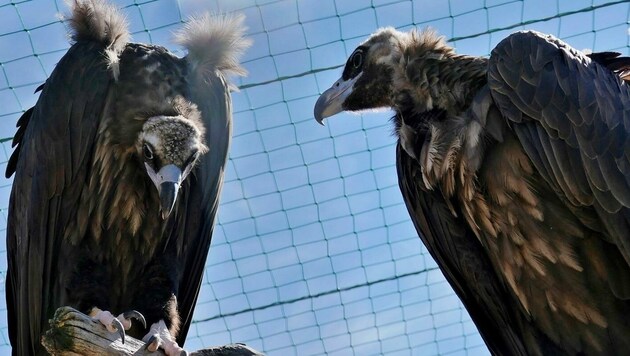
(313, 252)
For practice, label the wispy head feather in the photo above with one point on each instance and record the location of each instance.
(99, 21)
(214, 43)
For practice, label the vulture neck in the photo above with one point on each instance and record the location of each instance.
(431, 122)
(447, 83)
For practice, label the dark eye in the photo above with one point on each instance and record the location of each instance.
(147, 152)
(357, 59)
(355, 63)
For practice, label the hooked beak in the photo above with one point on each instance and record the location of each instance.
(167, 180)
(168, 195)
(331, 101)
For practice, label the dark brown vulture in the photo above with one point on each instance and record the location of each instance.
(118, 170)
(516, 173)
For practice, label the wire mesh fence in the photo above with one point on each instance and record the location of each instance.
(313, 252)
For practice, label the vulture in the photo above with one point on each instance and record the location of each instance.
(117, 173)
(515, 170)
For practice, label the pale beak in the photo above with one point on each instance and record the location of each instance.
(167, 181)
(168, 194)
(331, 101)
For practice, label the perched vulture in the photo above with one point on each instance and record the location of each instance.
(118, 170)
(516, 173)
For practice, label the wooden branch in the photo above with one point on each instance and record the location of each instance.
(74, 333)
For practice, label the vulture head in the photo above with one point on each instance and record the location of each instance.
(366, 81)
(394, 69)
(169, 147)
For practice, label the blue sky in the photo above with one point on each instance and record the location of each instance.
(314, 252)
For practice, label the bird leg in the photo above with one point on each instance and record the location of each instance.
(117, 324)
(159, 336)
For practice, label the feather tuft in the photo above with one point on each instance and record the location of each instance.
(99, 21)
(214, 43)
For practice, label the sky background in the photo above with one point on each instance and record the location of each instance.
(313, 252)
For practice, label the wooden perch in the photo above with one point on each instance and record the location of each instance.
(74, 333)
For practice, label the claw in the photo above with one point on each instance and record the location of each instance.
(120, 328)
(135, 315)
(160, 337)
(150, 344)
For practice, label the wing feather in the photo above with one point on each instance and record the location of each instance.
(196, 221)
(583, 130)
(51, 160)
(214, 45)
(464, 262)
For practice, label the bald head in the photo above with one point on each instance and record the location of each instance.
(169, 147)
(171, 139)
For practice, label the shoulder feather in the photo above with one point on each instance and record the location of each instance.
(214, 43)
(99, 21)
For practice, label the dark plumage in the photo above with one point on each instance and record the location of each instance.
(118, 170)
(514, 170)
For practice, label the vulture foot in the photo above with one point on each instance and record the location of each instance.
(117, 324)
(160, 337)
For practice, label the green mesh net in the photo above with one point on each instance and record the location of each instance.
(313, 252)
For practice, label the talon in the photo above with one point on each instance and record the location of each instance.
(160, 337)
(135, 315)
(152, 344)
(120, 328)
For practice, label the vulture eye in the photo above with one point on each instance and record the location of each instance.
(147, 152)
(354, 65)
(357, 59)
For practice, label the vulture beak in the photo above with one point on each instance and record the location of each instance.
(167, 181)
(168, 195)
(331, 101)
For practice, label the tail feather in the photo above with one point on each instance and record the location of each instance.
(214, 43)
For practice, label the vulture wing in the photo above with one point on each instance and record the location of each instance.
(462, 260)
(55, 143)
(572, 116)
(196, 221)
(213, 48)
